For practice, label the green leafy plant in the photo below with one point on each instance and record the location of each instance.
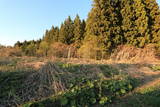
(92, 92)
(156, 68)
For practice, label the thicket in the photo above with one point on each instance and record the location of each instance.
(110, 23)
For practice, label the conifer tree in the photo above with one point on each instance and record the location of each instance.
(135, 22)
(51, 35)
(61, 34)
(47, 37)
(153, 12)
(66, 34)
(103, 21)
(56, 34)
(78, 30)
(141, 21)
(128, 17)
(83, 28)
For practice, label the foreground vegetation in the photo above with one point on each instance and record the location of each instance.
(68, 84)
(88, 95)
(65, 84)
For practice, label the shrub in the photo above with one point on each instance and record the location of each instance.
(62, 50)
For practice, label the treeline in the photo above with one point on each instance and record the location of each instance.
(110, 23)
(57, 41)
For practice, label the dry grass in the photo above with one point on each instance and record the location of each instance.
(132, 54)
(20, 86)
(10, 51)
(43, 83)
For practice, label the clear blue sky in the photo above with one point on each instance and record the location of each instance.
(28, 19)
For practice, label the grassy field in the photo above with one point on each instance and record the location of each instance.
(39, 82)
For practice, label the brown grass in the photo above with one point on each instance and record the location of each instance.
(132, 54)
(43, 83)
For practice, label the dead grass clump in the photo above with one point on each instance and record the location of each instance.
(43, 83)
(126, 53)
(20, 87)
(4, 61)
(10, 51)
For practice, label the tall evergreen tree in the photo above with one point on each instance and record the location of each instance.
(103, 21)
(47, 37)
(56, 34)
(61, 34)
(141, 21)
(78, 30)
(83, 28)
(135, 22)
(153, 12)
(51, 35)
(66, 34)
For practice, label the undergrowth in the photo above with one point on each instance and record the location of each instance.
(61, 85)
(88, 87)
(91, 93)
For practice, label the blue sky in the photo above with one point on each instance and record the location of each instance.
(28, 19)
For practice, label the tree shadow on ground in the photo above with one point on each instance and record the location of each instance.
(146, 99)
(10, 84)
(149, 93)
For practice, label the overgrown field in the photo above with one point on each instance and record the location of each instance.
(62, 84)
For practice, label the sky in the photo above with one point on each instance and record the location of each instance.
(28, 19)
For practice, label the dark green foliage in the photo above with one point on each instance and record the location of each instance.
(66, 34)
(78, 30)
(135, 22)
(103, 22)
(70, 31)
(52, 35)
(29, 47)
(141, 22)
(98, 92)
(153, 13)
